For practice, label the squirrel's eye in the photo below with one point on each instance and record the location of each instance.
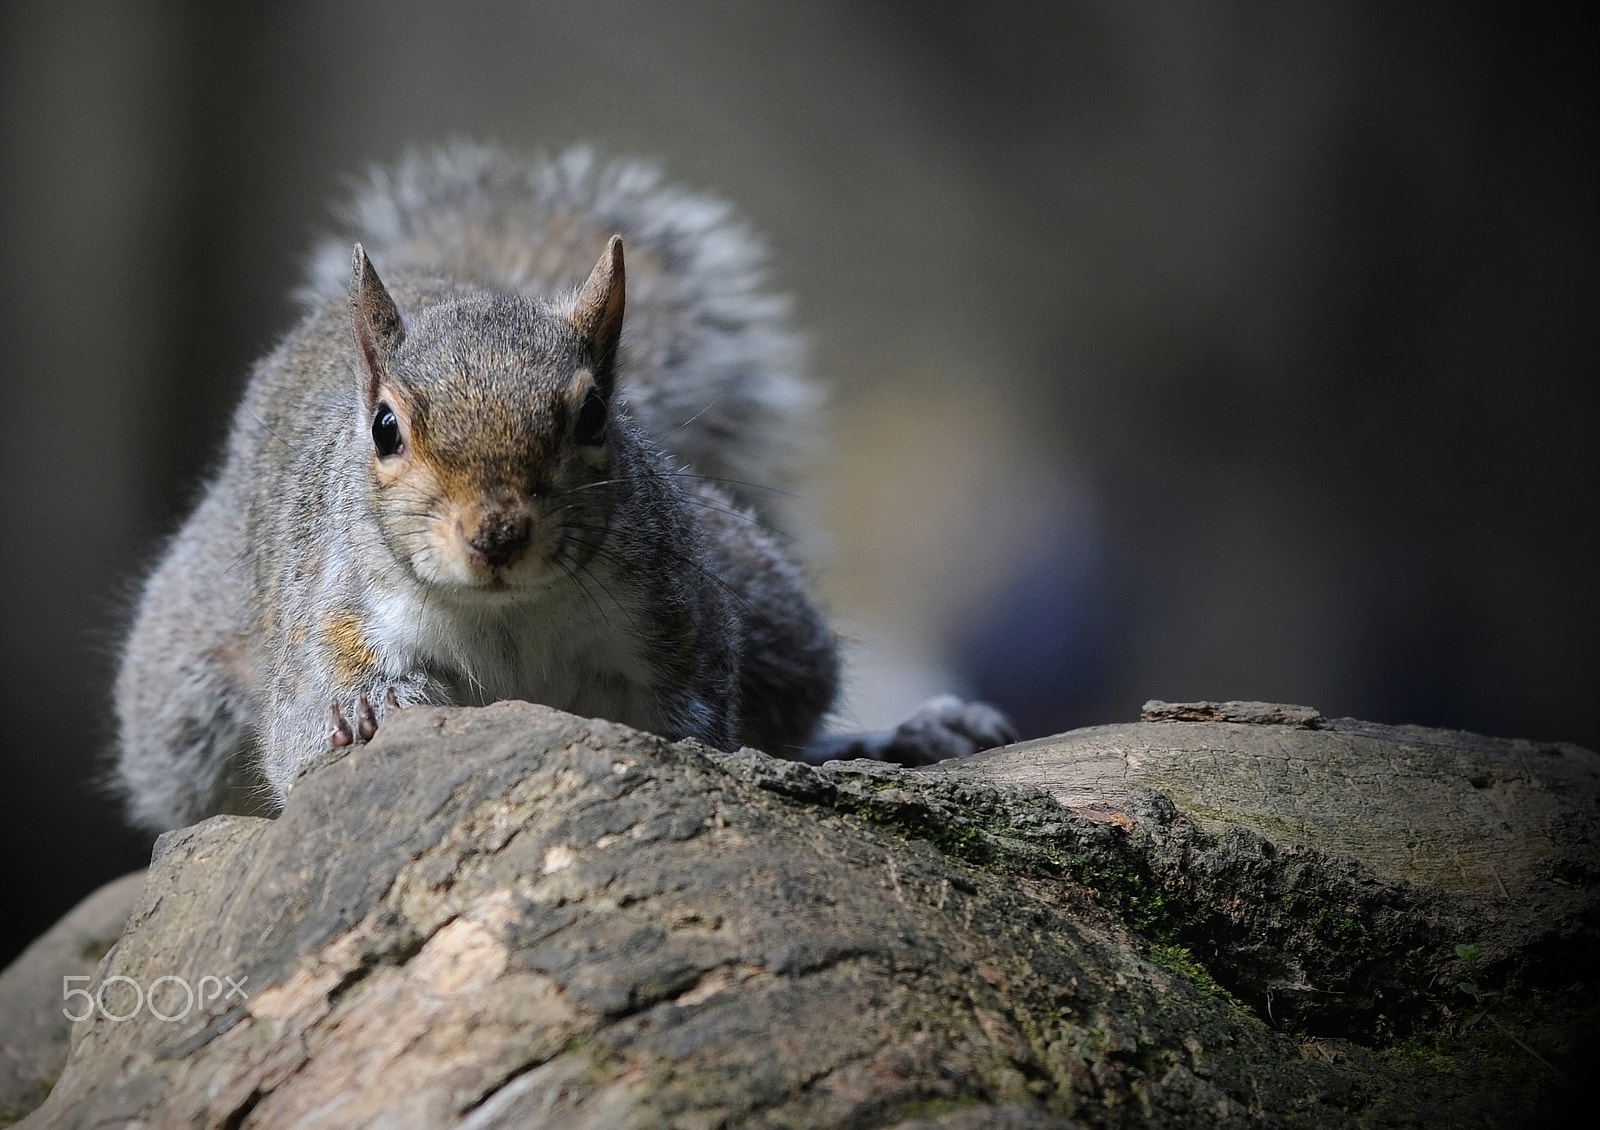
(386, 432)
(591, 430)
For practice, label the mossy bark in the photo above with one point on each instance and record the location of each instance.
(510, 916)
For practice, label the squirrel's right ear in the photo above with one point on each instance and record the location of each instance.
(375, 320)
(598, 311)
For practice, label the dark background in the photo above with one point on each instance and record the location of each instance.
(1227, 350)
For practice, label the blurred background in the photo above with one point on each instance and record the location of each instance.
(1222, 350)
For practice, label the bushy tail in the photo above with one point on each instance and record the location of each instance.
(711, 368)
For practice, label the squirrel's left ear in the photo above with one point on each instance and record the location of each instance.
(375, 320)
(598, 312)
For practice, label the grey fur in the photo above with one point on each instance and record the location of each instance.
(244, 635)
(500, 546)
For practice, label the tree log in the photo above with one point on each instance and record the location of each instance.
(509, 916)
(34, 1036)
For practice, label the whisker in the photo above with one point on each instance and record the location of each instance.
(708, 505)
(709, 406)
(238, 559)
(687, 474)
(266, 427)
(686, 559)
(577, 579)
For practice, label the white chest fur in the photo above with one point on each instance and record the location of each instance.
(572, 649)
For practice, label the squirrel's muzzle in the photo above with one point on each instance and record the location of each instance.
(501, 537)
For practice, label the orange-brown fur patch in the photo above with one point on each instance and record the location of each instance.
(352, 658)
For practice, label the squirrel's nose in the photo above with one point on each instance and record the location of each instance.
(500, 538)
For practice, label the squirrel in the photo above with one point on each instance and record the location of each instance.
(466, 483)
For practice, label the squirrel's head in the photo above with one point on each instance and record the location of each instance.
(489, 422)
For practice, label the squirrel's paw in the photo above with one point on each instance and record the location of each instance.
(365, 727)
(946, 727)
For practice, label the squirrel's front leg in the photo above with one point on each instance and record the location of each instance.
(939, 729)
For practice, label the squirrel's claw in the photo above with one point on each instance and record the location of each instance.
(366, 720)
(341, 735)
(365, 717)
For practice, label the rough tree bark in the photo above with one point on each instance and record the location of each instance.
(1228, 914)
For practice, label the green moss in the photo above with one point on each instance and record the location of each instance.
(956, 834)
(990, 837)
(1339, 928)
(964, 843)
(1179, 960)
(1143, 906)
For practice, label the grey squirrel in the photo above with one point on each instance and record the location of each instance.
(463, 482)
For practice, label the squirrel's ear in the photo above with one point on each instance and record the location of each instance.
(598, 311)
(375, 319)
